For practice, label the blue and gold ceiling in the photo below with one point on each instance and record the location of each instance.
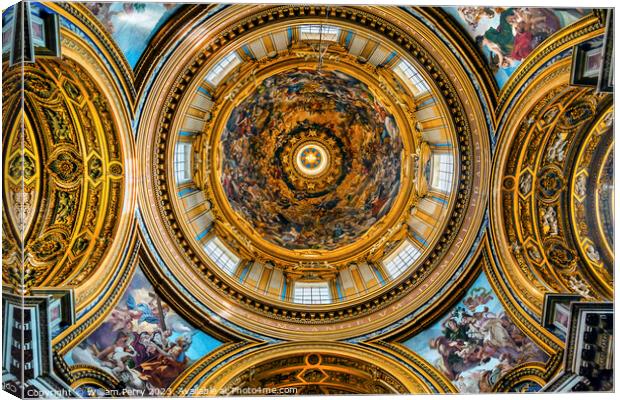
(299, 199)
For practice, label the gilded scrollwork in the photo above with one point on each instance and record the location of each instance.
(589, 201)
(66, 167)
(309, 368)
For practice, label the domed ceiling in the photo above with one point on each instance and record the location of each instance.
(315, 170)
(311, 159)
(65, 161)
(306, 168)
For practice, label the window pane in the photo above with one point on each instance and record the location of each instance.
(224, 66)
(411, 76)
(182, 157)
(311, 293)
(319, 32)
(402, 259)
(221, 256)
(442, 172)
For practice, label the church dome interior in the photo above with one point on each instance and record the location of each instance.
(253, 199)
(313, 174)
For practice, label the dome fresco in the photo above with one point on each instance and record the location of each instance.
(277, 124)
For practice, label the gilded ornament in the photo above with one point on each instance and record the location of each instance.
(21, 277)
(458, 113)
(48, 247)
(559, 255)
(72, 90)
(57, 120)
(116, 169)
(80, 245)
(608, 120)
(52, 120)
(95, 168)
(550, 183)
(37, 85)
(549, 116)
(64, 207)
(576, 115)
(66, 167)
(23, 199)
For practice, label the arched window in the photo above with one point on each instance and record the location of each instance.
(182, 168)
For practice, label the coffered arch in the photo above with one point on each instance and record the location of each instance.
(314, 368)
(77, 173)
(538, 146)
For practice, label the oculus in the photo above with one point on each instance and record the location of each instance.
(311, 159)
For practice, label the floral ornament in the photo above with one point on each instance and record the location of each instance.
(576, 115)
(550, 183)
(65, 167)
(116, 169)
(35, 84)
(560, 256)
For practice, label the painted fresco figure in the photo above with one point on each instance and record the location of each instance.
(500, 40)
(168, 364)
(116, 355)
(478, 343)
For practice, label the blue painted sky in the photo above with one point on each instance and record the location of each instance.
(139, 296)
(132, 24)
